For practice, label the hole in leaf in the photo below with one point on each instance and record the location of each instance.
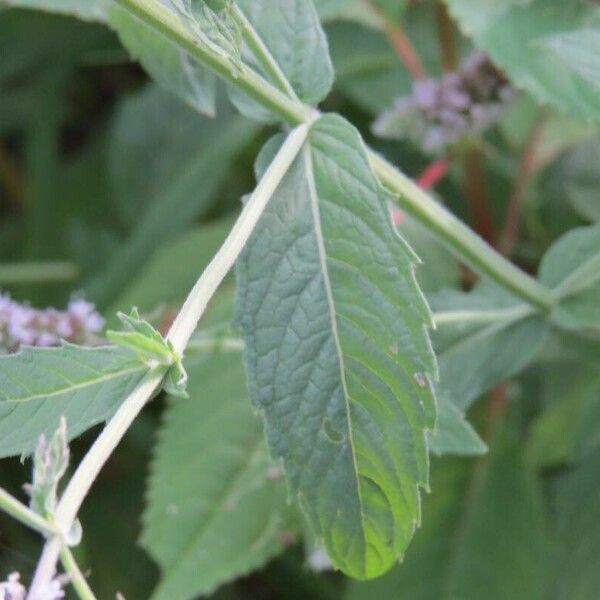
(331, 432)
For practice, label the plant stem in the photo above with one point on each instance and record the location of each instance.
(16, 509)
(170, 26)
(482, 315)
(400, 42)
(36, 272)
(477, 194)
(460, 238)
(77, 578)
(261, 52)
(182, 329)
(510, 233)
(446, 37)
(186, 321)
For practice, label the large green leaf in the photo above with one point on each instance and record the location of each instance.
(476, 353)
(516, 35)
(217, 505)
(483, 535)
(578, 531)
(92, 10)
(572, 267)
(39, 385)
(168, 277)
(167, 164)
(338, 357)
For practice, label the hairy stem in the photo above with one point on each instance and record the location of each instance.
(457, 236)
(16, 509)
(182, 329)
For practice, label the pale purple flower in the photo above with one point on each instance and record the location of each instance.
(11, 589)
(439, 112)
(21, 324)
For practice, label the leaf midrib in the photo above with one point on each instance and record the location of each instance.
(314, 203)
(77, 386)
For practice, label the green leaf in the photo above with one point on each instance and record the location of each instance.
(167, 164)
(217, 505)
(89, 10)
(453, 433)
(39, 385)
(515, 35)
(483, 535)
(576, 178)
(476, 354)
(578, 515)
(158, 283)
(580, 51)
(572, 268)
(338, 358)
(291, 31)
(569, 426)
(172, 68)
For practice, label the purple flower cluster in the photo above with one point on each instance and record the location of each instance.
(12, 589)
(21, 324)
(440, 112)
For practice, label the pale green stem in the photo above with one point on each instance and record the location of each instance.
(227, 344)
(36, 272)
(261, 52)
(74, 572)
(453, 317)
(186, 321)
(179, 335)
(457, 236)
(16, 509)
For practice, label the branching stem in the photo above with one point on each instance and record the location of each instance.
(457, 236)
(16, 509)
(182, 329)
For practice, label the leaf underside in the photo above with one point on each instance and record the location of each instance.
(338, 358)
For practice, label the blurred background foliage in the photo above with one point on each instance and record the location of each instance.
(131, 191)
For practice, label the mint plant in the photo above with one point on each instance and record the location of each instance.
(366, 318)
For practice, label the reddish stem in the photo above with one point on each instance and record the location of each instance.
(477, 195)
(433, 173)
(527, 166)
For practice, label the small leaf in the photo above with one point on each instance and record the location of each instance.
(338, 357)
(217, 505)
(453, 433)
(152, 349)
(39, 385)
(572, 268)
(475, 356)
(292, 33)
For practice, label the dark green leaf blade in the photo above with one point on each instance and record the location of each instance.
(338, 357)
(39, 385)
